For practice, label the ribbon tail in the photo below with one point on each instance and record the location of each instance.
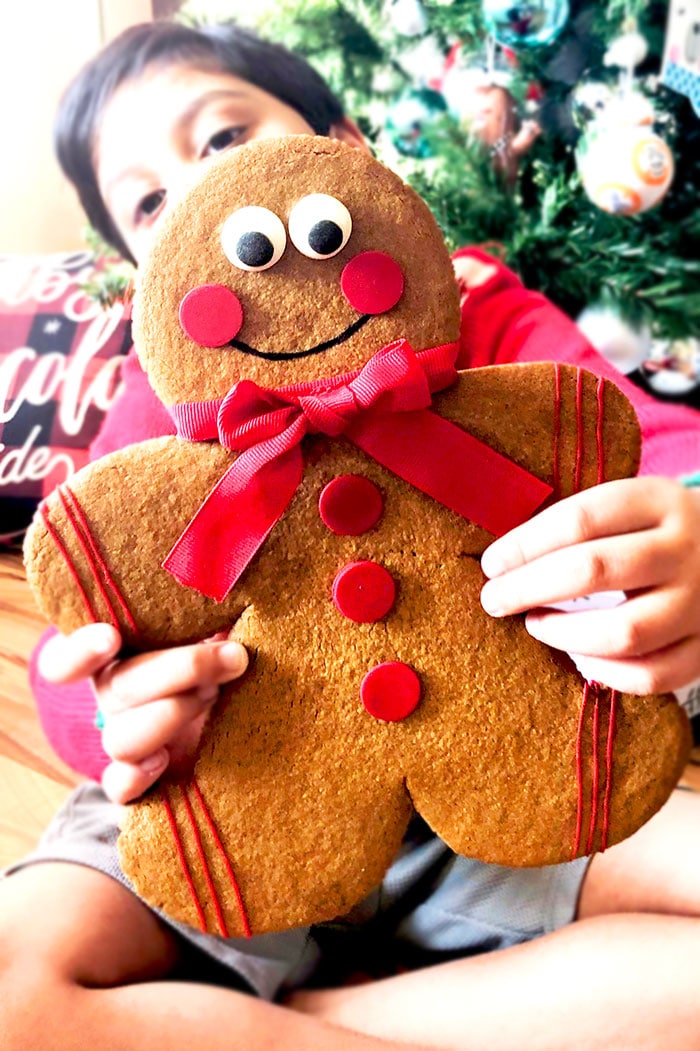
(233, 522)
(452, 466)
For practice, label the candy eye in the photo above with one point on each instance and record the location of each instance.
(253, 238)
(319, 226)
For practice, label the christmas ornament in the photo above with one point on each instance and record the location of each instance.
(589, 101)
(407, 17)
(410, 116)
(424, 62)
(621, 343)
(477, 95)
(625, 170)
(673, 367)
(528, 24)
(681, 63)
(627, 51)
(625, 167)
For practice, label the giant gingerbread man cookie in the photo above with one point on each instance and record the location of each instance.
(329, 495)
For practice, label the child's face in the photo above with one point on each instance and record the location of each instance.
(158, 129)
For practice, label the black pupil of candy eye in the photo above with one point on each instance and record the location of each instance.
(325, 237)
(254, 249)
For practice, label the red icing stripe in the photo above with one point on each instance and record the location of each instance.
(89, 557)
(183, 862)
(557, 428)
(612, 717)
(225, 858)
(600, 399)
(71, 568)
(579, 769)
(596, 689)
(98, 558)
(595, 779)
(579, 431)
(204, 863)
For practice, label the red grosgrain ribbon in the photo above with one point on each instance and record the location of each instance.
(383, 409)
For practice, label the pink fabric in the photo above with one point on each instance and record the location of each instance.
(67, 717)
(501, 322)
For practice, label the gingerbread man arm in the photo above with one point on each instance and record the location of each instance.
(569, 427)
(95, 548)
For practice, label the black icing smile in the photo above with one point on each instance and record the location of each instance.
(318, 349)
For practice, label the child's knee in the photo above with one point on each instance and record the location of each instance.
(68, 924)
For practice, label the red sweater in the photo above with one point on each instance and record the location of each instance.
(501, 322)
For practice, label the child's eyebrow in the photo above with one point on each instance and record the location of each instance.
(184, 121)
(202, 101)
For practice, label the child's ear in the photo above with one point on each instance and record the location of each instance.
(347, 131)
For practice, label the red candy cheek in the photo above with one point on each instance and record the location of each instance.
(211, 315)
(372, 282)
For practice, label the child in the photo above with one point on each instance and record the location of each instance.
(83, 962)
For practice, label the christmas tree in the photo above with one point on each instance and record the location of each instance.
(519, 123)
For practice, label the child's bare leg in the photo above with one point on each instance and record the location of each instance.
(80, 963)
(623, 978)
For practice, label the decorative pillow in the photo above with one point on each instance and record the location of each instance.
(59, 356)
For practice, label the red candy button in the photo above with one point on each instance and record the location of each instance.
(350, 505)
(372, 282)
(391, 691)
(364, 591)
(211, 315)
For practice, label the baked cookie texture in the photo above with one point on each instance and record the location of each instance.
(377, 684)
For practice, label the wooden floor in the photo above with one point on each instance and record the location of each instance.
(33, 782)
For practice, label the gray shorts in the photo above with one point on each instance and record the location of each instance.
(432, 905)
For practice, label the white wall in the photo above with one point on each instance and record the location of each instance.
(42, 45)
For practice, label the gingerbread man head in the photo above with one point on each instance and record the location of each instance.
(307, 256)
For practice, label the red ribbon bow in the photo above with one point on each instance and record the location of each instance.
(383, 409)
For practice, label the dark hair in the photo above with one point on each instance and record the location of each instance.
(223, 47)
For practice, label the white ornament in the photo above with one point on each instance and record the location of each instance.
(673, 367)
(627, 51)
(617, 340)
(625, 170)
(407, 17)
(424, 61)
(628, 108)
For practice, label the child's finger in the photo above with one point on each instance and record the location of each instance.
(642, 625)
(613, 508)
(124, 782)
(132, 734)
(660, 672)
(168, 673)
(68, 658)
(647, 559)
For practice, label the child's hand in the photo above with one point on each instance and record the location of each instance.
(154, 705)
(639, 535)
(472, 272)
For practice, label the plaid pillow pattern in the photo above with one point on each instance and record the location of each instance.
(59, 357)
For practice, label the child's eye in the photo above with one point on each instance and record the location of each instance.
(150, 204)
(221, 141)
